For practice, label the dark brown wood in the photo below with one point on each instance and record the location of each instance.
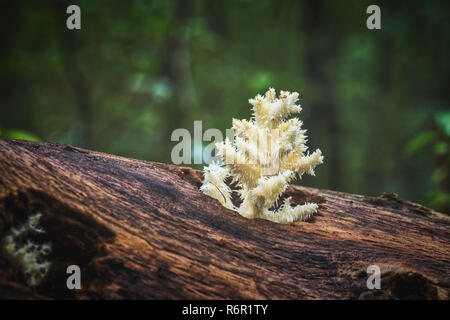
(141, 229)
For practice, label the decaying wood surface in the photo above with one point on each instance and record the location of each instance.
(141, 229)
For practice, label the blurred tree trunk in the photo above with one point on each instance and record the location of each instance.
(319, 54)
(176, 65)
(68, 42)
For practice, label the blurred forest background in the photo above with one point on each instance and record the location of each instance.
(375, 102)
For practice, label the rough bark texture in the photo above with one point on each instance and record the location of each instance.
(141, 229)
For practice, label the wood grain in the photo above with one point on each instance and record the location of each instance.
(142, 230)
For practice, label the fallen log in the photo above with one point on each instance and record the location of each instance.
(140, 229)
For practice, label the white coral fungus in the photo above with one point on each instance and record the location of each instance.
(29, 256)
(267, 153)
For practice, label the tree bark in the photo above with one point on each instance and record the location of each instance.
(141, 229)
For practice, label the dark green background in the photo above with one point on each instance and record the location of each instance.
(375, 102)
